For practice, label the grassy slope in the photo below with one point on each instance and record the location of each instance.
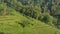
(9, 25)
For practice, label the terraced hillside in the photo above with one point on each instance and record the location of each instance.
(29, 17)
(19, 24)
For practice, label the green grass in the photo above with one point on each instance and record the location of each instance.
(12, 25)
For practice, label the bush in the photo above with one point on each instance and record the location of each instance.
(25, 23)
(46, 18)
(31, 11)
(1, 32)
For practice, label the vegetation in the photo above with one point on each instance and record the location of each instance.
(30, 16)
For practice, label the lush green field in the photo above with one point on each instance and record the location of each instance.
(19, 24)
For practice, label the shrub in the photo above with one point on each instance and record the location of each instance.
(46, 18)
(25, 23)
(1, 32)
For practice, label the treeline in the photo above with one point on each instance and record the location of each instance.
(43, 10)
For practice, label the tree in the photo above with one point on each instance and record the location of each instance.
(3, 9)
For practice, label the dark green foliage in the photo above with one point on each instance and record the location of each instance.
(1, 32)
(31, 11)
(25, 23)
(46, 18)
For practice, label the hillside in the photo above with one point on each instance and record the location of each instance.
(12, 25)
(47, 11)
(29, 16)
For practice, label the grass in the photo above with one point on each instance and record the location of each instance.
(19, 24)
